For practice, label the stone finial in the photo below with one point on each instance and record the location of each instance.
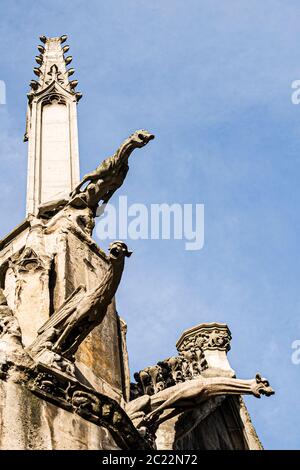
(213, 340)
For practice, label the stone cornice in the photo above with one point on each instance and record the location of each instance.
(69, 394)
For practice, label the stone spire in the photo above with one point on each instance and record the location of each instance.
(51, 126)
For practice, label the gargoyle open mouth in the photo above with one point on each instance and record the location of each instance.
(267, 391)
(114, 252)
(117, 248)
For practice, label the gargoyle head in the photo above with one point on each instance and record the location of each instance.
(141, 137)
(118, 250)
(262, 387)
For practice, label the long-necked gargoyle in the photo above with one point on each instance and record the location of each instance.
(147, 410)
(59, 338)
(109, 175)
(103, 182)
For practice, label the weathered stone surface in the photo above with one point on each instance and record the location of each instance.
(62, 261)
(223, 429)
(125, 360)
(100, 359)
(19, 374)
(27, 422)
(171, 431)
(82, 311)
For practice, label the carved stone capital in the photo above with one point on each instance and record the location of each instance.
(213, 340)
(202, 351)
(205, 336)
(67, 393)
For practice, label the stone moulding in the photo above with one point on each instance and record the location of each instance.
(66, 392)
(15, 232)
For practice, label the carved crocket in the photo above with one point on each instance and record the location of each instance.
(63, 333)
(192, 393)
(109, 175)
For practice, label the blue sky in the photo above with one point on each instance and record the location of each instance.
(212, 80)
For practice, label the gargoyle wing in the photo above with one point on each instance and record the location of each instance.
(64, 310)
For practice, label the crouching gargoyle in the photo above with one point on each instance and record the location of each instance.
(146, 410)
(59, 338)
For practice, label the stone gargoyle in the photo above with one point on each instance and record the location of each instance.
(146, 410)
(109, 175)
(60, 337)
(102, 182)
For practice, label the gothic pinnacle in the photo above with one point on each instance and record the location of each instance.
(52, 66)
